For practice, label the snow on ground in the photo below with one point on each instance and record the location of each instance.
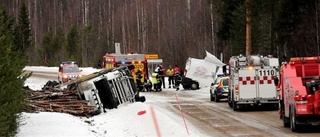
(120, 122)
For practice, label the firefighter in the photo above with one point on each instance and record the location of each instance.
(176, 70)
(156, 80)
(148, 85)
(178, 80)
(170, 73)
(138, 80)
(161, 74)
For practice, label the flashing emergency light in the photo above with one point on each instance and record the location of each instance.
(291, 62)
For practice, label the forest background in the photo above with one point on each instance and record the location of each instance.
(85, 30)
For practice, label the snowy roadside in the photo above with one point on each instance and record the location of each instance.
(123, 121)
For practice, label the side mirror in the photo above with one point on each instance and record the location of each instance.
(212, 84)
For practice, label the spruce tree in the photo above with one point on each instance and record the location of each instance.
(72, 43)
(23, 30)
(12, 96)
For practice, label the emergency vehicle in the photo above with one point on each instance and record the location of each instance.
(251, 81)
(299, 92)
(139, 61)
(68, 70)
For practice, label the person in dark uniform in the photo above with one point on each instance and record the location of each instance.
(178, 80)
(138, 80)
(161, 73)
(148, 85)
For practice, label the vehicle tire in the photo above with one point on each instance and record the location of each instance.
(235, 106)
(194, 85)
(285, 120)
(211, 96)
(293, 120)
(229, 100)
(217, 99)
(275, 106)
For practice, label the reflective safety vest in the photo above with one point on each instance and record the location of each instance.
(154, 78)
(170, 72)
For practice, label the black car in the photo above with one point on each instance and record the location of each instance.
(188, 83)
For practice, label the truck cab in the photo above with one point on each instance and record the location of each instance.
(68, 71)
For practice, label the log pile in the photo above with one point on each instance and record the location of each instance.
(51, 100)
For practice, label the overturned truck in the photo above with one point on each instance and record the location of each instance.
(102, 90)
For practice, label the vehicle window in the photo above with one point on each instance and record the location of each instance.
(70, 69)
(225, 82)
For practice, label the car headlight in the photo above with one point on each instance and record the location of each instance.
(80, 75)
(65, 76)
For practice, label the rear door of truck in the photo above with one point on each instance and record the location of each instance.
(265, 82)
(247, 86)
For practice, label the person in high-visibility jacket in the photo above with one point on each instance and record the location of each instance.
(156, 80)
(170, 73)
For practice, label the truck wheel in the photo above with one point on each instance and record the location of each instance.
(293, 120)
(217, 99)
(286, 121)
(211, 96)
(235, 106)
(229, 100)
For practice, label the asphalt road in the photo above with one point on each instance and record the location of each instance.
(215, 119)
(218, 119)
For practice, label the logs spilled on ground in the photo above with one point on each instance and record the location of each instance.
(64, 101)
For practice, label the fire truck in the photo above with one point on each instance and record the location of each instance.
(139, 61)
(298, 86)
(251, 81)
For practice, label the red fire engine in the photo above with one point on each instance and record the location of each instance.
(299, 92)
(138, 60)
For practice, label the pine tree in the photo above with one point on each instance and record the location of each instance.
(23, 30)
(12, 96)
(72, 43)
